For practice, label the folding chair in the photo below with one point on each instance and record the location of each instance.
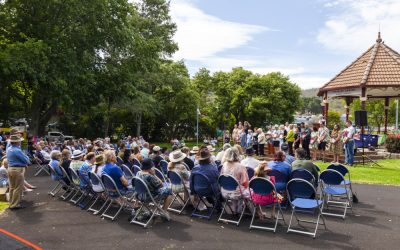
(229, 183)
(201, 187)
(87, 191)
(69, 190)
(119, 161)
(164, 166)
(301, 195)
(186, 166)
(136, 169)
(151, 204)
(176, 179)
(137, 162)
(128, 173)
(334, 191)
(250, 172)
(263, 186)
(160, 175)
(113, 194)
(55, 177)
(76, 185)
(280, 183)
(95, 181)
(345, 172)
(39, 166)
(303, 174)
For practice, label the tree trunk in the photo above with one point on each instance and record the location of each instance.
(108, 117)
(138, 124)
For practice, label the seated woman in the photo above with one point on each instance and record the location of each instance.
(86, 168)
(176, 164)
(98, 169)
(55, 163)
(157, 188)
(115, 172)
(4, 173)
(232, 166)
(279, 164)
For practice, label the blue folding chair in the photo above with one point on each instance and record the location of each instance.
(128, 173)
(76, 181)
(303, 174)
(280, 183)
(55, 177)
(137, 162)
(230, 184)
(335, 192)
(40, 166)
(67, 182)
(113, 194)
(160, 175)
(176, 179)
(263, 186)
(201, 188)
(95, 181)
(345, 172)
(164, 166)
(136, 169)
(301, 195)
(250, 172)
(150, 204)
(119, 161)
(86, 191)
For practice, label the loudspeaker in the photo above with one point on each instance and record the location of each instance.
(361, 118)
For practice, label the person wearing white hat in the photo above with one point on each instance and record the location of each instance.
(156, 156)
(176, 164)
(77, 159)
(17, 163)
(220, 154)
(193, 153)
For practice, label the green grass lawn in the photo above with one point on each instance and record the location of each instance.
(3, 206)
(388, 174)
(189, 144)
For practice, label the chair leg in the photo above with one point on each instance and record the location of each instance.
(95, 212)
(53, 191)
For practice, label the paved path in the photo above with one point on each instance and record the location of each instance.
(55, 224)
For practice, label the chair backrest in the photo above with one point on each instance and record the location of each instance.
(200, 185)
(302, 174)
(228, 182)
(136, 169)
(53, 173)
(220, 168)
(340, 168)
(74, 176)
(137, 162)
(300, 188)
(174, 177)
(261, 186)
(110, 186)
(119, 161)
(331, 177)
(65, 174)
(164, 166)
(141, 188)
(186, 166)
(160, 175)
(95, 180)
(250, 172)
(83, 178)
(127, 172)
(279, 176)
(218, 163)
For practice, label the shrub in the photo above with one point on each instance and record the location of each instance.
(393, 143)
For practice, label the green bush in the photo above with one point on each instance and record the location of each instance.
(393, 143)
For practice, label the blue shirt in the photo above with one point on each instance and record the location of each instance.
(115, 173)
(210, 171)
(56, 166)
(282, 167)
(289, 159)
(16, 157)
(84, 172)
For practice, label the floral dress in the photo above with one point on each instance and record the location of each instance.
(313, 142)
(337, 147)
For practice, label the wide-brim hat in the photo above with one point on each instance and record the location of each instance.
(156, 148)
(15, 138)
(76, 154)
(176, 156)
(100, 159)
(204, 154)
(210, 148)
(194, 150)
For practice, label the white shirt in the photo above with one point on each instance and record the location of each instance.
(220, 155)
(46, 155)
(250, 162)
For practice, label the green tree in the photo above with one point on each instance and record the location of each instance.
(333, 118)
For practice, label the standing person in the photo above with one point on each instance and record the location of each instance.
(290, 139)
(235, 134)
(261, 142)
(297, 138)
(17, 163)
(145, 150)
(255, 141)
(336, 142)
(323, 139)
(314, 143)
(227, 136)
(348, 142)
(306, 136)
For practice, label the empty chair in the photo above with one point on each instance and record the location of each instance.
(55, 176)
(149, 204)
(263, 186)
(40, 166)
(230, 184)
(250, 172)
(335, 192)
(176, 179)
(346, 173)
(202, 189)
(164, 166)
(113, 194)
(301, 196)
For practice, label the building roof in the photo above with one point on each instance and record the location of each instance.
(379, 66)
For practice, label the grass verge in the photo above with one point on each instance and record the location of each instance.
(3, 206)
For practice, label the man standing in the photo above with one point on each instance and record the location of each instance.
(17, 162)
(348, 142)
(306, 135)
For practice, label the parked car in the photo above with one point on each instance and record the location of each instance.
(58, 136)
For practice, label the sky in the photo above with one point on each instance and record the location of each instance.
(309, 40)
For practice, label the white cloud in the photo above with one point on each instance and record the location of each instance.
(201, 36)
(309, 81)
(354, 26)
